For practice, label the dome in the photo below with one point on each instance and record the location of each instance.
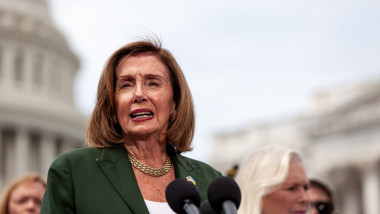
(38, 116)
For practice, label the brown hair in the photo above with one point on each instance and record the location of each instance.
(314, 183)
(29, 178)
(103, 132)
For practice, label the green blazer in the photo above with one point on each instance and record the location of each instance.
(91, 181)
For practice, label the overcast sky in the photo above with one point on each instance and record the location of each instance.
(245, 61)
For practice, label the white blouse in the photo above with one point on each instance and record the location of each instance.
(158, 207)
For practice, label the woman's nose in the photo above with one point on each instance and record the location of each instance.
(304, 197)
(139, 95)
(31, 204)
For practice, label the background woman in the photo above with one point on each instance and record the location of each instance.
(142, 121)
(272, 180)
(321, 198)
(24, 195)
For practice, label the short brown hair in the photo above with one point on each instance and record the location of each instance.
(29, 178)
(103, 132)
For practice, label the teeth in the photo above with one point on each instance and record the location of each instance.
(142, 114)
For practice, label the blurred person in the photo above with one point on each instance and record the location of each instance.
(142, 121)
(273, 180)
(232, 172)
(320, 198)
(24, 195)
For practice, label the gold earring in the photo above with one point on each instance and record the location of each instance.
(114, 118)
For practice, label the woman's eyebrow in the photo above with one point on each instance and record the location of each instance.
(153, 76)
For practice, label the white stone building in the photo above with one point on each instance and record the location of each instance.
(340, 138)
(38, 117)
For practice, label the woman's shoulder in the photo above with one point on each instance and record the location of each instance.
(87, 153)
(80, 152)
(200, 165)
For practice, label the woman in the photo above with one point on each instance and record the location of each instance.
(24, 195)
(321, 198)
(142, 121)
(272, 180)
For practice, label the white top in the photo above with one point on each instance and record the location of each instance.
(158, 207)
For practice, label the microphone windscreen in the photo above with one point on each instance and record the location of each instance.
(179, 192)
(206, 208)
(223, 189)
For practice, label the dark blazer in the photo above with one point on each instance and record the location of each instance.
(91, 181)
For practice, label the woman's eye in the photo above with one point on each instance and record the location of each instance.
(154, 83)
(126, 85)
(291, 188)
(21, 200)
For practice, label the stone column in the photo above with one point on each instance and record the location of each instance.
(48, 151)
(371, 188)
(22, 147)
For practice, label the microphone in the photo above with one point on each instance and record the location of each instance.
(206, 208)
(224, 195)
(183, 197)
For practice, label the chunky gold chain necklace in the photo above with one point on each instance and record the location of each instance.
(155, 172)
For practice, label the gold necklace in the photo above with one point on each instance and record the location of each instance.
(155, 172)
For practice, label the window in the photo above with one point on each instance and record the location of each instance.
(18, 66)
(37, 70)
(55, 81)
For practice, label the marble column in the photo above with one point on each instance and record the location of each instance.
(22, 147)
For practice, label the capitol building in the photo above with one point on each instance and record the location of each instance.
(340, 137)
(38, 116)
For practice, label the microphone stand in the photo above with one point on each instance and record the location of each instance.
(190, 208)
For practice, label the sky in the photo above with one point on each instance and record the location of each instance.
(246, 61)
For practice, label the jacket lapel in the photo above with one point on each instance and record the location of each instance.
(184, 169)
(115, 165)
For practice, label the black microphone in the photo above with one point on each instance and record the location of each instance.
(224, 195)
(183, 197)
(206, 208)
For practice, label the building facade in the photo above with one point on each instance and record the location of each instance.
(38, 116)
(340, 138)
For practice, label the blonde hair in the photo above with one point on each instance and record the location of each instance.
(103, 132)
(29, 178)
(261, 172)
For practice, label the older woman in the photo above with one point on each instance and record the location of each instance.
(142, 121)
(23, 195)
(273, 181)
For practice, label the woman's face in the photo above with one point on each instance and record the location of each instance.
(291, 197)
(143, 96)
(26, 198)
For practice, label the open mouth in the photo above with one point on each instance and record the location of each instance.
(143, 114)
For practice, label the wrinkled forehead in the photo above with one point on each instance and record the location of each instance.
(149, 63)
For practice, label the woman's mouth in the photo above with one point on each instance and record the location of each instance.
(141, 114)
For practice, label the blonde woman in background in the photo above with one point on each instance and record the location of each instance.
(273, 180)
(24, 195)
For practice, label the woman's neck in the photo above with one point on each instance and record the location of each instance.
(149, 151)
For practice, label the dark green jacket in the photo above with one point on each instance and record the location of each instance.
(91, 181)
